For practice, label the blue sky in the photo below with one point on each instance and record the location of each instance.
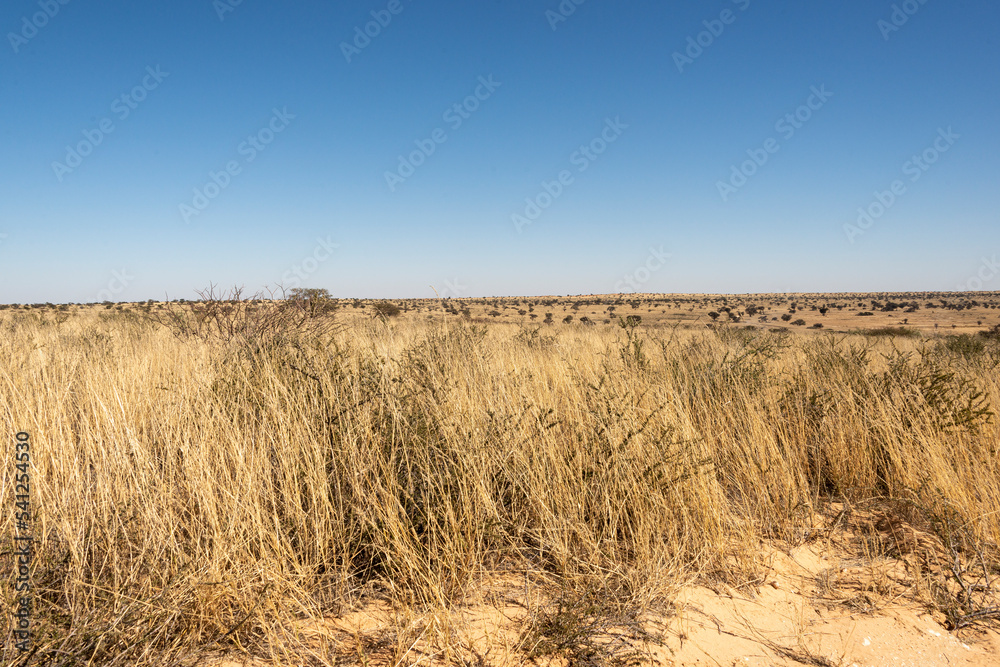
(151, 148)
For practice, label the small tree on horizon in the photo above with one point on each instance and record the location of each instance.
(316, 300)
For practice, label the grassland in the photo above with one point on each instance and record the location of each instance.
(210, 480)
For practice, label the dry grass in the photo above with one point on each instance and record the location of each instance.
(195, 494)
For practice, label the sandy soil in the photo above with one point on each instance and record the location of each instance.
(788, 624)
(818, 603)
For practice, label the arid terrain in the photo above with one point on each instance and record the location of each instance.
(925, 312)
(593, 480)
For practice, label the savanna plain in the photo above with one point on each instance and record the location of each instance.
(779, 479)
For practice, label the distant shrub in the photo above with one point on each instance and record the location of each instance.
(799, 323)
(901, 332)
(314, 301)
(786, 317)
(386, 309)
(866, 313)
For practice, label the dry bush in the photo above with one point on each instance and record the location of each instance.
(257, 320)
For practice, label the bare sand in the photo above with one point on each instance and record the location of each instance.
(818, 603)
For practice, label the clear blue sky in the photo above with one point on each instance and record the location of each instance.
(188, 87)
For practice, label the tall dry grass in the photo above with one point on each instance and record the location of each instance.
(193, 495)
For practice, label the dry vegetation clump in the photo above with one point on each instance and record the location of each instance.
(202, 491)
(890, 332)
